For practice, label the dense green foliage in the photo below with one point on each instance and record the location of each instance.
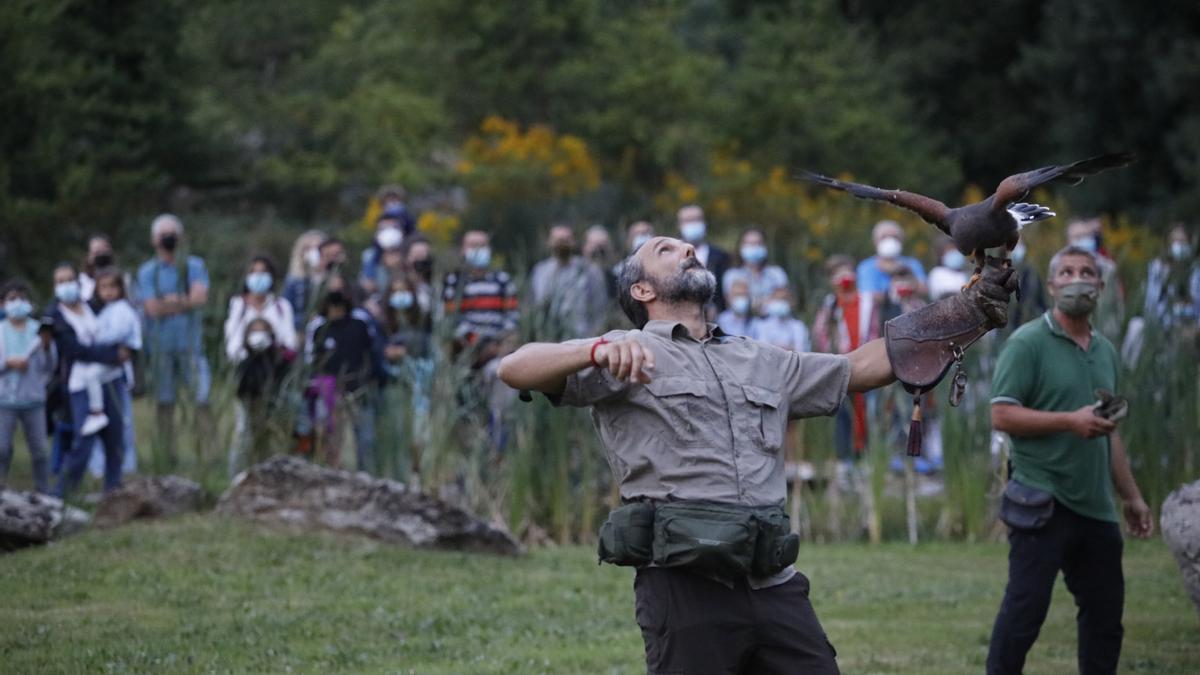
(205, 595)
(115, 109)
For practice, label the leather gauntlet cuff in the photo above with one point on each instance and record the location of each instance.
(924, 343)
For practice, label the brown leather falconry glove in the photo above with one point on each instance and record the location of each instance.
(924, 343)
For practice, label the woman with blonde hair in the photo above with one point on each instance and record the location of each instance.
(304, 275)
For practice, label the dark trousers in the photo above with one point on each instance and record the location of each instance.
(112, 436)
(1088, 551)
(691, 624)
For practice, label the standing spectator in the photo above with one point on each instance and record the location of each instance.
(344, 355)
(848, 318)
(566, 290)
(173, 291)
(116, 323)
(694, 231)
(257, 300)
(780, 327)
(74, 328)
(947, 277)
(99, 256)
(737, 319)
(27, 359)
(1173, 285)
(598, 249)
(761, 278)
(1032, 303)
(905, 294)
(304, 275)
(259, 374)
(479, 302)
(388, 237)
(874, 273)
(408, 360)
(393, 205)
(1069, 458)
(1109, 317)
(419, 255)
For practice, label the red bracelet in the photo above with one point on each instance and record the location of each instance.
(595, 344)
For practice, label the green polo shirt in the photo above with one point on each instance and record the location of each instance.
(1042, 368)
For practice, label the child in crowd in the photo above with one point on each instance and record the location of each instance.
(260, 377)
(117, 323)
(779, 327)
(737, 319)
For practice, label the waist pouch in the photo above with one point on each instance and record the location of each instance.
(723, 540)
(1024, 507)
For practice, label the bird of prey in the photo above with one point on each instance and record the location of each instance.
(993, 222)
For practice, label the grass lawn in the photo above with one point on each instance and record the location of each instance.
(202, 594)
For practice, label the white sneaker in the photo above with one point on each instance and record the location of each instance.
(94, 422)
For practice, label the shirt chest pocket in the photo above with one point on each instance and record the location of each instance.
(766, 417)
(679, 401)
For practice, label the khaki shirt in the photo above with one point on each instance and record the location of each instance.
(711, 423)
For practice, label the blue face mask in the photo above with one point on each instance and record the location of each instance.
(401, 300)
(693, 231)
(754, 253)
(17, 309)
(1086, 243)
(479, 257)
(778, 308)
(638, 241)
(67, 292)
(258, 282)
(953, 259)
(1018, 253)
(741, 305)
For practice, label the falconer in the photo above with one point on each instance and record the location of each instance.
(693, 421)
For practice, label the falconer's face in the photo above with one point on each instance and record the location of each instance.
(665, 257)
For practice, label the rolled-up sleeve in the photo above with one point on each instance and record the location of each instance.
(590, 385)
(815, 383)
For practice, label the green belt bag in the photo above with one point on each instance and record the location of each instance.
(729, 541)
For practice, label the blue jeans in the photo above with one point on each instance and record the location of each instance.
(113, 437)
(33, 420)
(192, 368)
(129, 464)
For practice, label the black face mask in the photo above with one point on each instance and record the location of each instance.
(102, 260)
(168, 242)
(424, 268)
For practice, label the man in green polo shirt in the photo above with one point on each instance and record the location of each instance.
(1043, 396)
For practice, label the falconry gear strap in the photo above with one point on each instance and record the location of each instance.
(924, 343)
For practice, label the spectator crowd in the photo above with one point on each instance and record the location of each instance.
(338, 346)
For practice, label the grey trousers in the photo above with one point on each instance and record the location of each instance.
(33, 421)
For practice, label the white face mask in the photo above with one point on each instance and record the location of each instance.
(1018, 252)
(741, 305)
(953, 259)
(888, 247)
(693, 231)
(312, 258)
(1087, 243)
(258, 340)
(778, 308)
(67, 292)
(389, 238)
(1180, 250)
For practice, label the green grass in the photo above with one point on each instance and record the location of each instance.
(202, 594)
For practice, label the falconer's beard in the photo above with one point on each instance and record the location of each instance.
(691, 284)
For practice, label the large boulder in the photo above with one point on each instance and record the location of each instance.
(1180, 522)
(30, 518)
(149, 497)
(295, 493)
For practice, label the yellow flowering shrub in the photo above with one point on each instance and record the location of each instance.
(503, 162)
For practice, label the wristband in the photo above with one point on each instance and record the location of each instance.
(592, 356)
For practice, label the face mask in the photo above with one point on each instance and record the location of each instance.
(1077, 299)
(845, 282)
(741, 305)
(168, 241)
(18, 309)
(479, 257)
(423, 267)
(1087, 243)
(258, 282)
(1180, 250)
(312, 258)
(561, 249)
(401, 300)
(1018, 253)
(905, 291)
(102, 260)
(953, 259)
(693, 231)
(389, 237)
(778, 308)
(67, 292)
(258, 340)
(753, 254)
(888, 247)
(638, 241)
